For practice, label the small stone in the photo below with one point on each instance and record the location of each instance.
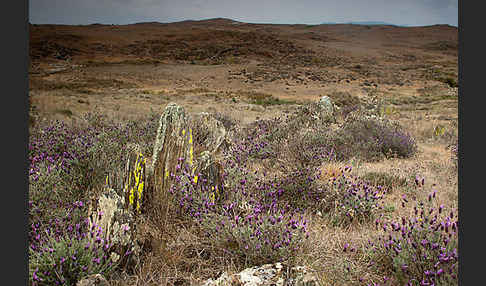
(268, 274)
(93, 280)
(255, 107)
(326, 109)
(116, 222)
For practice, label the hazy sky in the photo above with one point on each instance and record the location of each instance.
(398, 12)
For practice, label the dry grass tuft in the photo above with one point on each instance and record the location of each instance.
(331, 170)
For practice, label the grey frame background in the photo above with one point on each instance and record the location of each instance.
(468, 174)
(15, 88)
(15, 54)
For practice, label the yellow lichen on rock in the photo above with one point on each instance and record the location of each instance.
(191, 148)
(135, 187)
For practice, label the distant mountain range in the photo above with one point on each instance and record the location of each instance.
(363, 23)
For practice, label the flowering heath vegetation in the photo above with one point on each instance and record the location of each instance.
(67, 249)
(255, 215)
(420, 249)
(238, 217)
(354, 199)
(372, 138)
(67, 161)
(66, 164)
(302, 140)
(261, 218)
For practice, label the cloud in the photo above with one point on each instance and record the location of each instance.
(411, 12)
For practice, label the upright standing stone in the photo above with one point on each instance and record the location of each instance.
(134, 180)
(212, 171)
(174, 142)
(116, 223)
(213, 129)
(326, 109)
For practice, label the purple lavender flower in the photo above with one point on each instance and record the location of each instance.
(346, 246)
(424, 242)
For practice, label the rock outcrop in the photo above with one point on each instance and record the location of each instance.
(326, 109)
(117, 224)
(266, 275)
(93, 280)
(173, 146)
(213, 134)
(211, 171)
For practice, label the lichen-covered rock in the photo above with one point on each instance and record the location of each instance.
(116, 222)
(173, 144)
(326, 109)
(211, 171)
(134, 180)
(174, 139)
(266, 275)
(93, 280)
(209, 132)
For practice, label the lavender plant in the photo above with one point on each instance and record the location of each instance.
(297, 190)
(245, 218)
(373, 138)
(420, 249)
(66, 164)
(309, 150)
(260, 236)
(55, 152)
(351, 199)
(67, 250)
(260, 140)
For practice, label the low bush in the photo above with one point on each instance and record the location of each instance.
(302, 139)
(239, 218)
(69, 164)
(350, 199)
(372, 138)
(420, 249)
(262, 236)
(67, 250)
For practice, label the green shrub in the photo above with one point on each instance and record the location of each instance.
(67, 250)
(372, 138)
(419, 249)
(350, 199)
(450, 81)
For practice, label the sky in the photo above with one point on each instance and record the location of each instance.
(311, 12)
